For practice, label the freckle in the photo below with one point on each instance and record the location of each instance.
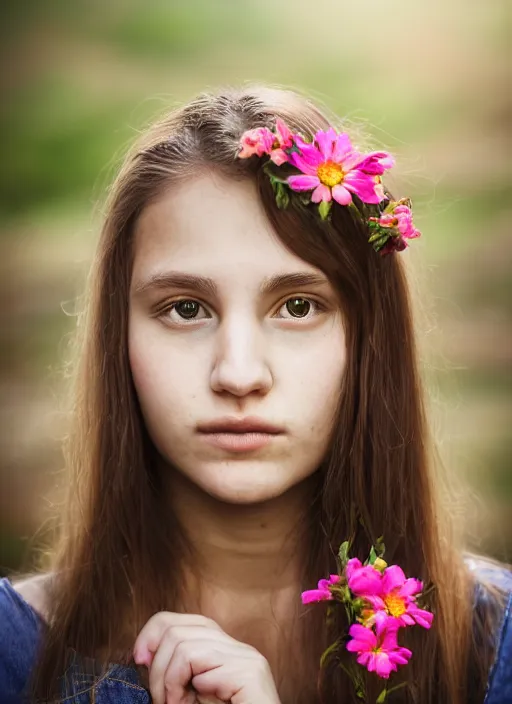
(263, 525)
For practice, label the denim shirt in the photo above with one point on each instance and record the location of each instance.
(21, 627)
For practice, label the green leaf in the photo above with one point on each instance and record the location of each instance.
(373, 556)
(379, 546)
(380, 241)
(324, 208)
(274, 185)
(377, 235)
(343, 553)
(357, 604)
(282, 196)
(382, 697)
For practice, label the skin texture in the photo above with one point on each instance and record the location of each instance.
(243, 353)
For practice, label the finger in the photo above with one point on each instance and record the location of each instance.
(247, 677)
(201, 699)
(194, 657)
(151, 634)
(172, 637)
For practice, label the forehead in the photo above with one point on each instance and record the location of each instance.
(212, 225)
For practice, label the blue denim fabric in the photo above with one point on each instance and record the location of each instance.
(499, 684)
(21, 628)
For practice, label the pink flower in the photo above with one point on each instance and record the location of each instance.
(332, 168)
(283, 140)
(376, 163)
(378, 651)
(362, 580)
(262, 141)
(389, 592)
(399, 217)
(397, 598)
(396, 224)
(258, 141)
(323, 593)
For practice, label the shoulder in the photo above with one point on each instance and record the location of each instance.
(493, 592)
(499, 687)
(488, 571)
(23, 611)
(22, 627)
(34, 590)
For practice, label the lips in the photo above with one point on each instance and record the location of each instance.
(239, 425)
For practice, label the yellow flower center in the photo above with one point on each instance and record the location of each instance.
(395, 605)
(330, 173)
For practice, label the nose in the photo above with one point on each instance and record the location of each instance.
(240, 366)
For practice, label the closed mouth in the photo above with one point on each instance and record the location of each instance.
(240, 426)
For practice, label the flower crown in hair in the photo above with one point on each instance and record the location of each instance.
(328, 169)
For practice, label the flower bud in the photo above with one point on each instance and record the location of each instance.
(380, 564)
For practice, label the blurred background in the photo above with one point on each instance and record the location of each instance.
(427, 80)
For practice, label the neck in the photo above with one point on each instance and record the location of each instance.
(244, 549)
(245, 571)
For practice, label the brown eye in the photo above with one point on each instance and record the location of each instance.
(187, 309)
(298, 307)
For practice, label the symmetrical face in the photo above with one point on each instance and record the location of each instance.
(225, 322)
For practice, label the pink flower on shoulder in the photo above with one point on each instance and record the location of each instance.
(398, 598)
(323, 593)
(362, 580)
(388, 592)
(378, 651)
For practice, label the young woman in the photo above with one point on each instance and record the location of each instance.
(247, 398)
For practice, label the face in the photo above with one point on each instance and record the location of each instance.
(225, 322)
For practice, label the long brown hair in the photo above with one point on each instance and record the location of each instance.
(117, 553)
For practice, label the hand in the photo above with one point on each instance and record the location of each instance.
(184, 651)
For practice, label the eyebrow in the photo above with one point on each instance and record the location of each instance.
(208, 287)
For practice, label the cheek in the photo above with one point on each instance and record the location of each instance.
(144, 369)
(153, 380)
(166, 379)
(314, 383)
(151, 371)
(317, 373)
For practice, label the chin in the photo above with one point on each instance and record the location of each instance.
(243, 486)
(246, 497)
